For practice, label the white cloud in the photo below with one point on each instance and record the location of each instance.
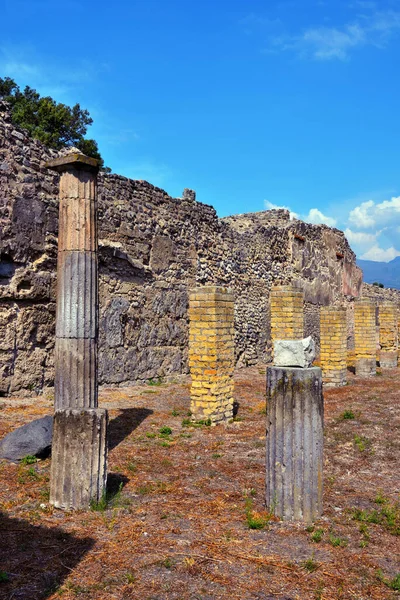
(361, 215)
(360, 238)
(369, 214)
(379, 254)
(327, 43)
(316, 217)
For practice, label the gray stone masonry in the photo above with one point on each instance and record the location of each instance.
(294, 447)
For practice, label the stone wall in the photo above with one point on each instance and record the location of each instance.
(153, 248)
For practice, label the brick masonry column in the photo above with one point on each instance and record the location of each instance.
(388, 334)
(333, 341)
(287, 313)
(398, 334)
(365, 337)
(211, 353)
(79, 449)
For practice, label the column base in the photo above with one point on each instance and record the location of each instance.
(333, 379)
(217, 409)
(78, 472)
(388, 360)
(365, 367)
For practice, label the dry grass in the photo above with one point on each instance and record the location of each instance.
(179, 528)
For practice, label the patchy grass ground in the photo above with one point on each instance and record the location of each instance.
(187, 519)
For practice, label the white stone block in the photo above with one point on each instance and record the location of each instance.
(294, 353)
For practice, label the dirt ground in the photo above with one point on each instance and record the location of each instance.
(186, 517)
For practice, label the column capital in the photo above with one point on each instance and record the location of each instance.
(75, 160)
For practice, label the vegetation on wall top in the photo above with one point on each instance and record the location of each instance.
(54, 124)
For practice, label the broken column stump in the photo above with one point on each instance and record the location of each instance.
(294, 447)
(79, 453)
(388, 334)
(333, 344)
(365, 337)
(78, 458)
(211, 353)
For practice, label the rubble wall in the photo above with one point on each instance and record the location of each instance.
(153, 248)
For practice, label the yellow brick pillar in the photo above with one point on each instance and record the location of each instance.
(388, 334)
(398, 334)
(211, 353)
(365, 336)
(287, 313)
(333, 341)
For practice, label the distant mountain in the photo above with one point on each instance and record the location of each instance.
(381, 272)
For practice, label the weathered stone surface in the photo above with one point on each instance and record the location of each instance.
(33, 438)
(79, 458)
(294, 446)
(294, 353)
(153, 249)
(76, 381)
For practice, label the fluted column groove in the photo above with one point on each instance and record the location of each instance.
(79, 448)
(294, 445)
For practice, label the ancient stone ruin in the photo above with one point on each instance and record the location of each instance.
(175, 290)
(365, 337)
(294, 442)
(211, 353)
(79, 448)
(152, 250)
(333, 344)
(388, 334)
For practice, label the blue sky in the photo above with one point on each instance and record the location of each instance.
(252, 103)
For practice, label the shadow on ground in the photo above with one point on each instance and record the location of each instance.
(126, 422)
(51, 554)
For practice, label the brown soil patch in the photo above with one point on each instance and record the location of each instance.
(178, 527)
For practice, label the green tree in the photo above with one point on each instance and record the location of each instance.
(55, 124)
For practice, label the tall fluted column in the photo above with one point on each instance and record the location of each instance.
(77, 284)
(295, 436)
(78, 469)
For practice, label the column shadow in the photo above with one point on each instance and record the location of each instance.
(35, 560)
(125, 423)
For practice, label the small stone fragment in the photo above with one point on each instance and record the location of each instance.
(32, 439)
